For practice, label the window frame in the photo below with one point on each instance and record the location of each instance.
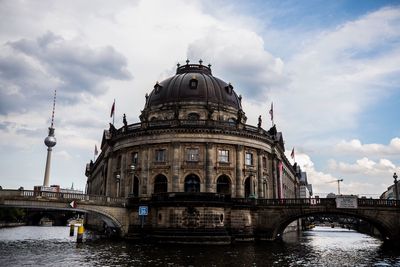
(160, 155)
(192, 154)
(249, 159)
(221, 157)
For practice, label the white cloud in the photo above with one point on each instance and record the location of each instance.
(338, 74)
(365, 166)
(355, 146)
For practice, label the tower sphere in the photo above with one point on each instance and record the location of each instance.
(50, 141)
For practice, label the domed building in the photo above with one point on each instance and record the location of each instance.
(191, 158)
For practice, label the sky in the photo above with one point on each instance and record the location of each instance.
(331, 68)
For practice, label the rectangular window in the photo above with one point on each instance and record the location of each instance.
(135, 157)
(160, 155)
(249, 159)
(223, 155)
(192, 154)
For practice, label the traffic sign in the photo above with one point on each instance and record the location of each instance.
(143, 210)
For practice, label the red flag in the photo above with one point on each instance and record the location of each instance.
(292, 154)
(112, 109)
(271, 111)
(96, 152)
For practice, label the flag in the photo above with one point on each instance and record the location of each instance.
(96, 152)
(292, 154)
(112, 109)
(271, 111)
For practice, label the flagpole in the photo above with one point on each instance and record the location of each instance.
(114, 111)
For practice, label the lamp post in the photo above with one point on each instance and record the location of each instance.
(396, 193)
(118, 177)
(133, 169)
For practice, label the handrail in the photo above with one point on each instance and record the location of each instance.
(31, 194)
(190, 197)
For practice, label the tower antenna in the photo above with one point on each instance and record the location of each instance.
(54, 108)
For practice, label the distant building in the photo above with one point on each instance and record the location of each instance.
(305, 187)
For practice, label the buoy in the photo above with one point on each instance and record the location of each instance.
(71, 229)
(79, 237)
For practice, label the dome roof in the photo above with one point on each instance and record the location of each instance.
(193, 82)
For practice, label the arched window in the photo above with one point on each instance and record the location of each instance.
(224, 185)
(160, 184)
(247, 187)
(192, 183)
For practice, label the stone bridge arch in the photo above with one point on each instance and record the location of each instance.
(114, 217)
(272, 222)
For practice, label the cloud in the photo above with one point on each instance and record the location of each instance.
(339, 73)
(365, 166)
(31, 69)
(355, 146)
(240, 57)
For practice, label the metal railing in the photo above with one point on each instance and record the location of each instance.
(60, 196)
(187, 197)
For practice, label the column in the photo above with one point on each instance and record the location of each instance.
(251, 177)
(124, 177)
(175, 166)
(145, 161)
(109, 178)
(239, 166)
(209, 167)
(260, 174)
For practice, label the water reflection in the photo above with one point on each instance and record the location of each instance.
(52, 246)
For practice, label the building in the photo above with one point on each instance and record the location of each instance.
(192, 140)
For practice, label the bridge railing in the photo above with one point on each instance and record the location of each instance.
(285, 201)
(30, 194)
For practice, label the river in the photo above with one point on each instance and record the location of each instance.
(52, 246)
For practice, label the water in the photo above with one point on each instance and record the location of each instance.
(52, 246)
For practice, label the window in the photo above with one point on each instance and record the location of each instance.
(192, 154)
(193, 116)
(135, 156)
(249, 158)
(224, 185)
(160, 155)
(223, 155)
(160, 184)
(193, 83)
(192, 183)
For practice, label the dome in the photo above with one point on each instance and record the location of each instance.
(193, 83)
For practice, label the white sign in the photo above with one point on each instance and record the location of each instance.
(143, 210)
(346, 202)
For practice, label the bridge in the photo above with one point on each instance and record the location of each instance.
(269, 217)
(110, 209)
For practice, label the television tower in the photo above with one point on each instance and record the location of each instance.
(50, 141)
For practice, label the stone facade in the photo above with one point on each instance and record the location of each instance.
(192, 138)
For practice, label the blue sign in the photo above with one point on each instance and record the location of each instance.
(143, 210)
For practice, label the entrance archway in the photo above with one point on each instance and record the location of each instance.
(224, 185)
(160, 184)
(192, 183)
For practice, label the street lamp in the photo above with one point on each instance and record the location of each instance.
(396, 193)
(118, 177)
